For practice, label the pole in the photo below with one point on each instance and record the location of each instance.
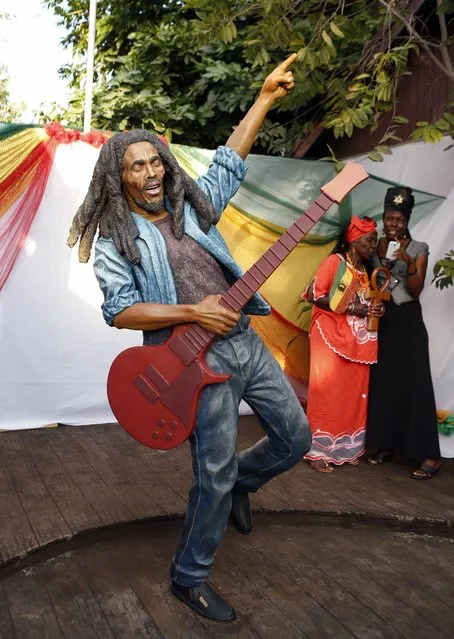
(90, 65)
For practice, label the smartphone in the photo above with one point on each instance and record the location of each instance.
(393, 246)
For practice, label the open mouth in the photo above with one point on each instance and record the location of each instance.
(153, 188)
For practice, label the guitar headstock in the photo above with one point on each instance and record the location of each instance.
(350, 177)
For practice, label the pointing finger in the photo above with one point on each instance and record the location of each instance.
(289, 61)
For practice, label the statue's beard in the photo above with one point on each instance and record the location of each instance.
(150, 207)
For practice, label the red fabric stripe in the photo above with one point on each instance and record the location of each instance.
(31, 159)
(13, 233)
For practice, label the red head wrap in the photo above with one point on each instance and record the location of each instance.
(359, 227)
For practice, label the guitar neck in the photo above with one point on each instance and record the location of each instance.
(195, 338)
(241, 292)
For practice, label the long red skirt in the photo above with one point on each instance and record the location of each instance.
(337, 404)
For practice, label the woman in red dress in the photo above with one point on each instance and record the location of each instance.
(342, 349)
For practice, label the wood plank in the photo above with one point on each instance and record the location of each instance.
(54, 486)
(94, 454)
(127, 452)
(101, 499)
(126, 614)
(302, 493)
(20, 466)
(434, 605)
(285, 581)
(45, 518)
(17, 537)
(404, 618)
(180, 483)
(109, 508)
(157, 487)
(138, 501)
(438, 558)
(254, 603)
(78, 513)
(311, 618)
(303, 568)
(6, 480)
(76, 466)
(32, 613)
(36, 443)
(6, 625)
(78, 613)
(147, 572)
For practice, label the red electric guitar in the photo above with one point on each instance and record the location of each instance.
(154, 390)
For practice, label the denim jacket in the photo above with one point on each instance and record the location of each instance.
(124, 284)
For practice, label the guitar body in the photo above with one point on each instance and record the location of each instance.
(154, 394)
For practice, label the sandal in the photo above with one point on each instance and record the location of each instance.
(379, 458)
(425, 471)
(321, 466)
(354, 462)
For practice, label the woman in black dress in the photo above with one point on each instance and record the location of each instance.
(402, 412)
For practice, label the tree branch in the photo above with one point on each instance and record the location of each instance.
(444, 39)
(446, 70)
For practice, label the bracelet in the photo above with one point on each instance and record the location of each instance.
(350, 308)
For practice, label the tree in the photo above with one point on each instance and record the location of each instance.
(152, 71)
(9, 112)
(191, 67)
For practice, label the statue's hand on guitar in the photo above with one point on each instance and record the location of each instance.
(213, 317)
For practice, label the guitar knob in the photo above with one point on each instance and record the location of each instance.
(168, 436)
(155, 434)
(161, 422)
(174, 425)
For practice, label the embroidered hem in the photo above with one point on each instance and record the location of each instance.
(337, 450)
(357, 361)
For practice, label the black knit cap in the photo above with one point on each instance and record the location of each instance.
(399, 198)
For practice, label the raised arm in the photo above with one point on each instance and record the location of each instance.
(276, 86)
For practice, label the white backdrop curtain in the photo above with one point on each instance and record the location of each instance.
(56, 349)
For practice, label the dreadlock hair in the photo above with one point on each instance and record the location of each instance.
(105, 206)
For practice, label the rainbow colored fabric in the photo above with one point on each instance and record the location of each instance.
(275, 193)
(343, 289)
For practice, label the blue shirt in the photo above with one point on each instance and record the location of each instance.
(124, 284)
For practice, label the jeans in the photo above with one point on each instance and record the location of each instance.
(258, 379)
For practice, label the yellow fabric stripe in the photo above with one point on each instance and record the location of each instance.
(15, 149)
(248, 241)
(288, 344)
(16, 190)
(340, 291)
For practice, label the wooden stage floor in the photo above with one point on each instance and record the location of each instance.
(89, 520)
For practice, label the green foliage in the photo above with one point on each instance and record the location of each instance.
(190, 68)
(9, 112)
(152, 71)
(444, 271)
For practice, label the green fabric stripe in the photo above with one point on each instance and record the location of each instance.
(7, 130)
(391, 183)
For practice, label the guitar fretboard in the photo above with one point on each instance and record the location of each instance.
(194, 339)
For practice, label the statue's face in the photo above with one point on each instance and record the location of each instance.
(143, 176)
